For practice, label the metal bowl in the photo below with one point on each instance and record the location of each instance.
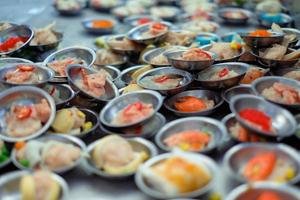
(24, 95)
(292, 31)
(66, 94)
(125, 76)
(47, 47)
(255, 189)
(172, 18)
(283, 121)
(284, 71)
(217, 60)
(202, 160)
(88, 26)
(118, 64)
(146, 130)
(237, 157)
(44, 74)
(133, 20)
(70, 12)
(210, 95)
(54, 137)
(203, 77)
(73, 74)
(10, 182)
(286, 21)
(111, 109)
(129, 52)
(237, 90)
(16, 31)
(138, 145)
(8, 60)
(90, 116)
(230, 20)
(113, 71)
(216, 129)
(261, 42)
(272, 63)
(174, 58)
(186, 79)
(262, 83)
(149, 55)
(135, 34)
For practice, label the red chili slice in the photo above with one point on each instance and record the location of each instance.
(143, 21)
(158, 25)
(137, 105)
(223, 72)
(53, 89)
(23, 112)
(25, 68)
(161, 79)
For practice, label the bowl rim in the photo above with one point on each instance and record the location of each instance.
(129, 69)
(225, 92)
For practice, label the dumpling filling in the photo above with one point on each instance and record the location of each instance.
(161, 82)
(23, 74)
(59, 66)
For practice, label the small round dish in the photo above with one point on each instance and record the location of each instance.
(111, 109)
(21, 31)
(113, 71)
(283, 122)
(204, 76)
(102, 55)
(8, 60)
(261, 42)
(211, 126)
(149, 55)
(272, 63)
(235, 15)
(55, 137)
(24, 95)
(135, 34)
(43, 74)
(262, 83)
(83, 53)
(238, 156)
(217, 60)
(126, 75)
(130, 49)
(174, 58)
(90, 116)
(47, 47)
(266, 20)
(166, 13)
(104, 6)
(10, 184)
(206, 38)
(257, 189)
(61, 93)
(201, 160)
(184, 83)
(137, 20)
(236, 90)
(100, 26)
(146, 130)
(138, 145)
(209, 95)
(73, 9)
(289, 31)
(74, 75)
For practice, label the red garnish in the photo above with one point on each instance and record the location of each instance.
(23, 112)
(143, 21)
(161, 79)
(25, 68)
(138, 130)
(158, 26)
(11, 43)
(84, 77)
(223, 72)
(268, 196)
(136, 105)
(53, 89)
(258, 118)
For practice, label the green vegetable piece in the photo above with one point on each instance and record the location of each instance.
(4, 150)
(25, 163)
(3, 158)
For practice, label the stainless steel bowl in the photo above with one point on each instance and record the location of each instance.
(47, 47)
(236, 90)
(129, 51)
(117, 64)
(125, 76)
(55, 137)
(44, 74)
(261, 42)
(133, 20)
(217, 60)
(111, 109)
(146, 130)
(292, 31)
(88, 26)
(262, 83)
(203, 77)
(73, 74)
(283, 122)
(8, 60)
(86, 54)
(272, 63)
(286, 21)
(237, 157)
(70, 12)
(176, 61)
(230, 20)
(149, 55)
(254, 190)
(135, 34)
(138, 145)
(284, 71)
(16, 31)
(113, 71)
(170, 18)
(24, 95)
(202, 160)
(66, 94)
(216, 130)
(210, 95)
(185, 82)
(10, 185)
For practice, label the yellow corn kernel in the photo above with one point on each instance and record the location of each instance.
(87, 126)
(184, 146)
(214, 196)
(80, 114)
(290, 173)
